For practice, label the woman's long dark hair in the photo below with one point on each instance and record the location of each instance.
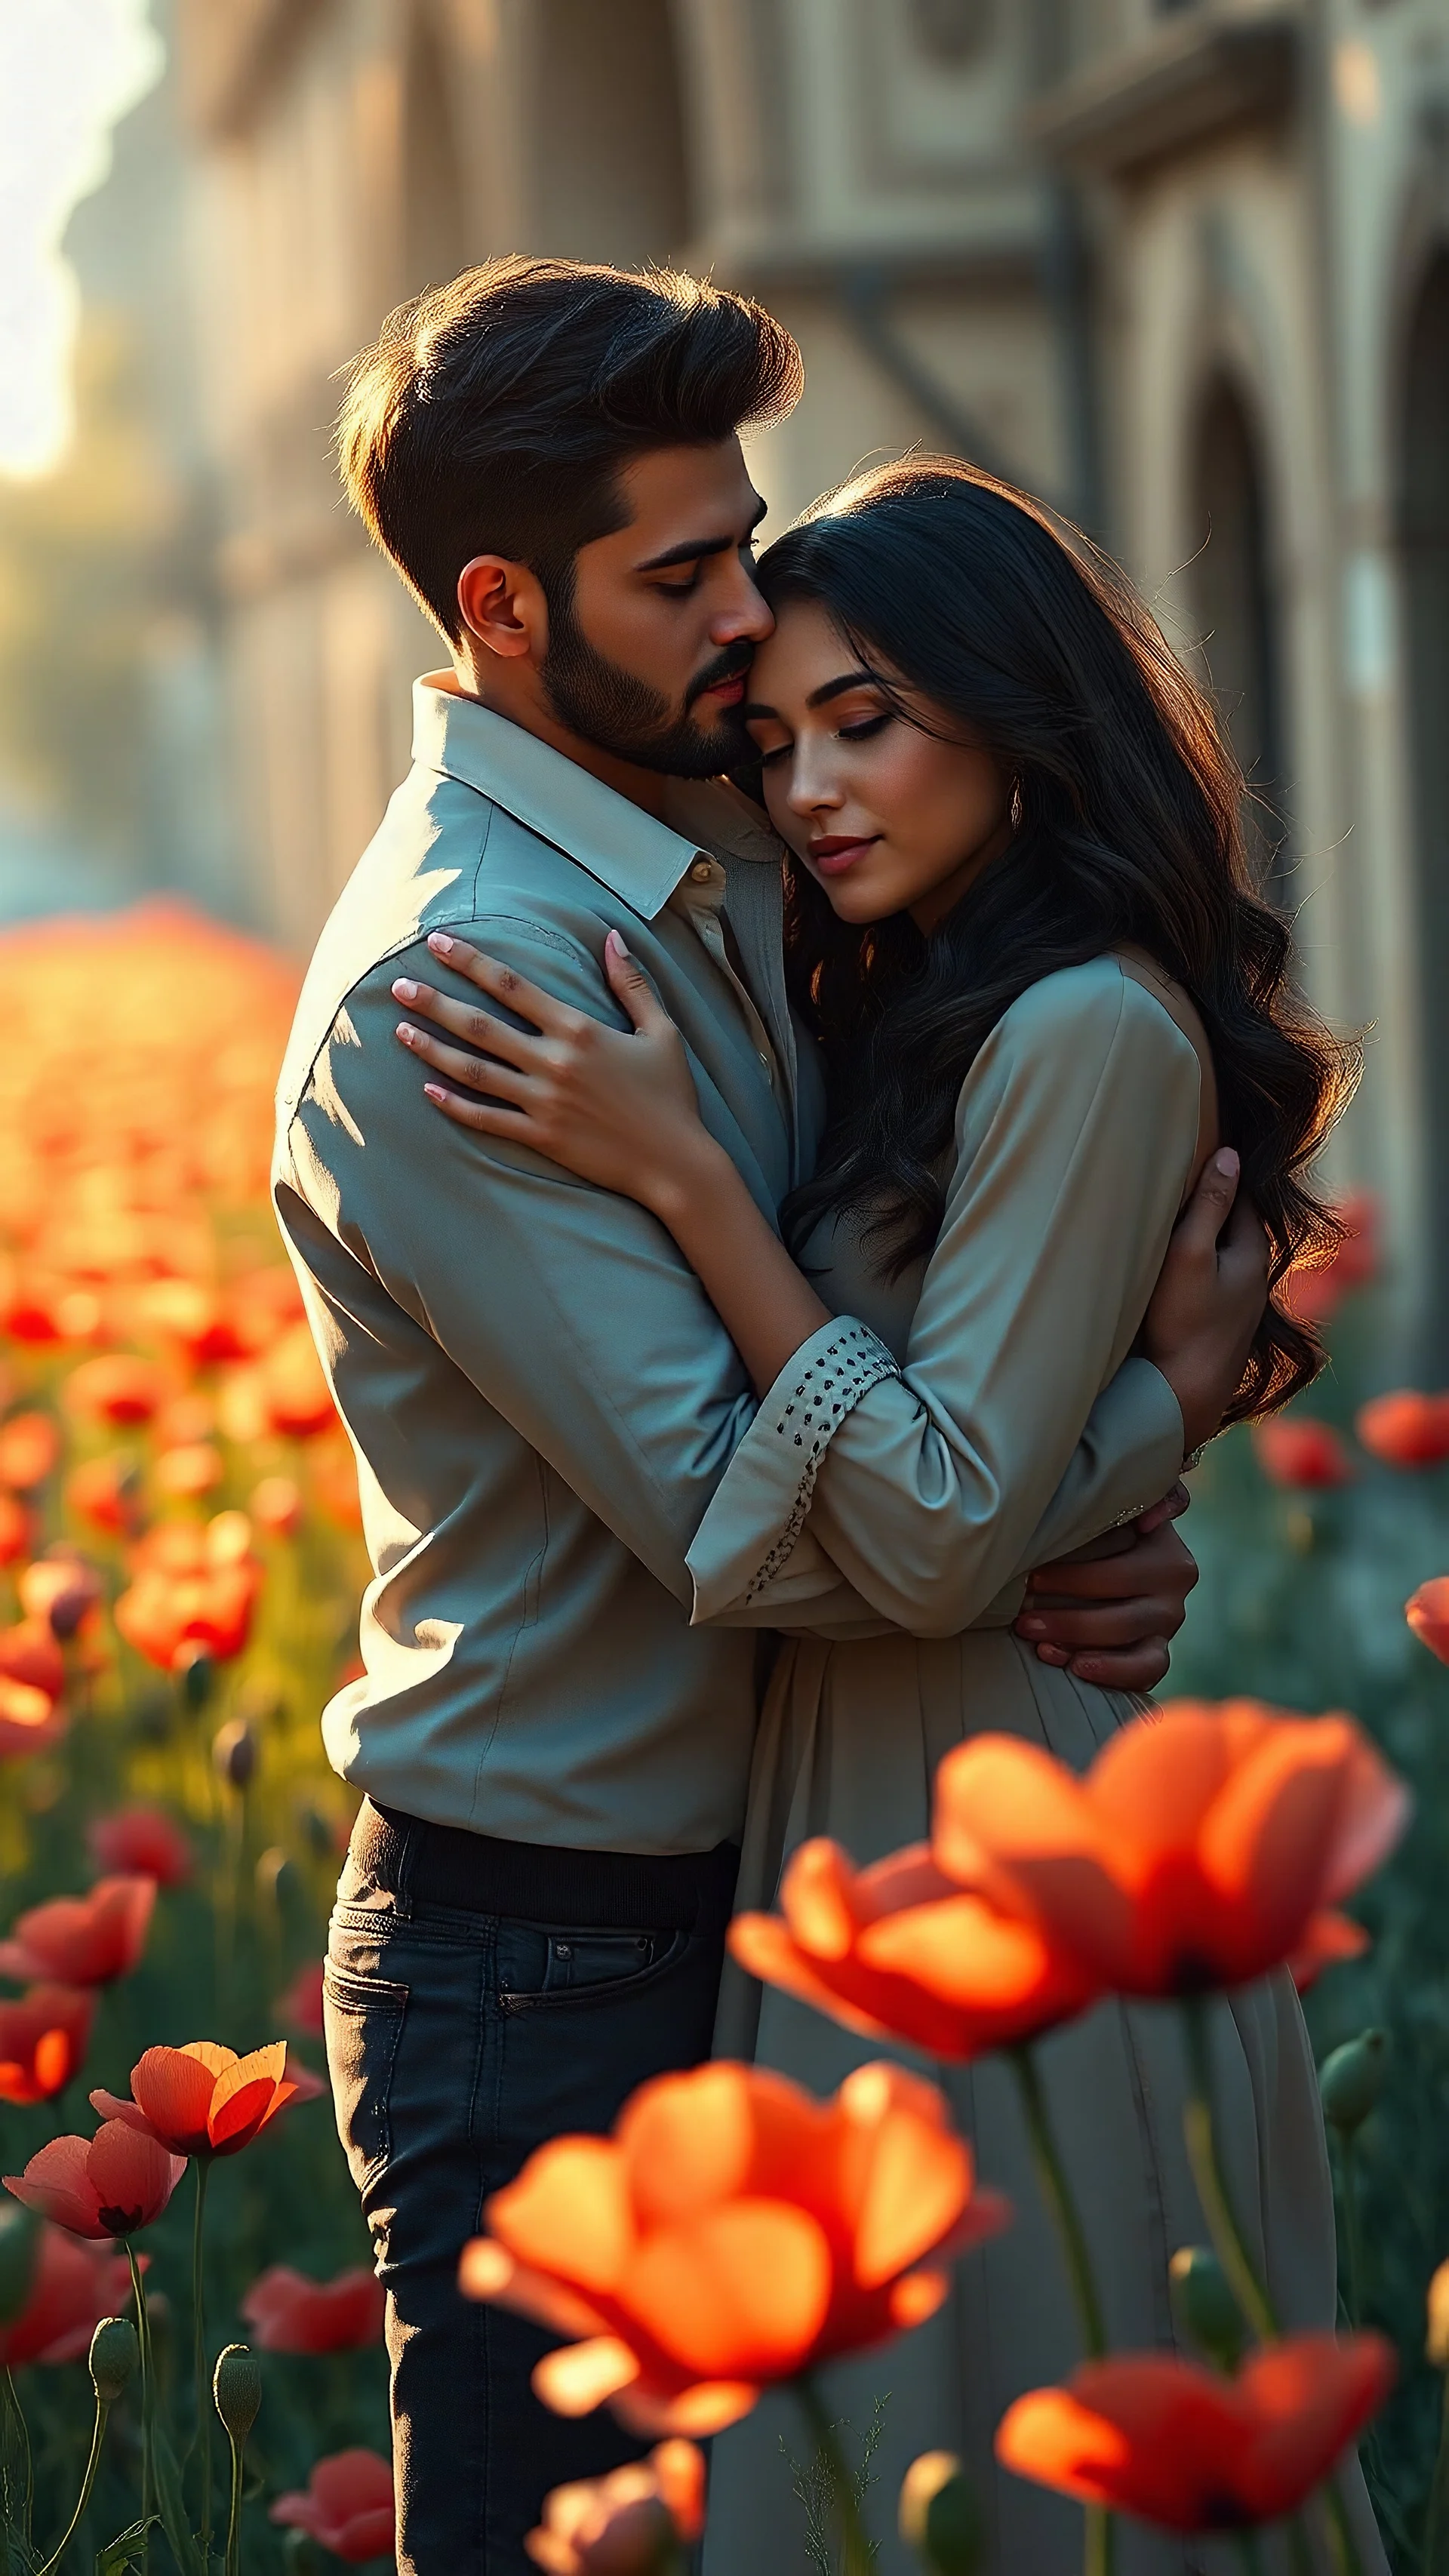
(1002, 626)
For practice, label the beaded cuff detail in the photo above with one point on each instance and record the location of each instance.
(825, 1392)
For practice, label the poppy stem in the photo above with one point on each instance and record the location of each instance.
(1346, 2559)
(1434, 2525)
(233, 2520)
(17, 2415)
(1348, 2168)
(1300, 2547)
(1057, 2193)
(1202, 2156)
(143, 2336)
(858, 2557)
(198, 2341)
(83, 2499)
(1249, 2553)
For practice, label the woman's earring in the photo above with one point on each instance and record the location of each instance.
(1016, 809)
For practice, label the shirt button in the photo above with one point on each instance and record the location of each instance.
(701, 872)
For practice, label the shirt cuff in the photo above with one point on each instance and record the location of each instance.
(759, 1506)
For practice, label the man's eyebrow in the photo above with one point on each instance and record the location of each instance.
(695, 549)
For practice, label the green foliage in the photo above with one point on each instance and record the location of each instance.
(1302, 1604)
(816, 2486)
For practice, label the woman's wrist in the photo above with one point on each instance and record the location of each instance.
(684, 1179)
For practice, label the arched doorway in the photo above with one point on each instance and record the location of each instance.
(1233, 596)
(1424, 535)
(611, 165)
(435, 220)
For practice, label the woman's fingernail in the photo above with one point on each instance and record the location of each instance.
(615, 945)
(440, 944)
(1032, 1627)
(406, 1032)
(435, 1091)
(1226, 1162)
(404, 990)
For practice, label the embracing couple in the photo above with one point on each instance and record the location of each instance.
(760, 1142)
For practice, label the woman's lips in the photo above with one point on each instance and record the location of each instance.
(832, 857)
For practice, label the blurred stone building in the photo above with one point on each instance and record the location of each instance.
(1180, 265)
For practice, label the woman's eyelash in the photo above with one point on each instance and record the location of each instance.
(768, 758)
(863, 731)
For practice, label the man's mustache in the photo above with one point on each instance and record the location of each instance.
(731, 664)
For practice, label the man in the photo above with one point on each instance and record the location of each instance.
(531, 1918)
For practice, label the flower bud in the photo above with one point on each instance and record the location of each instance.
(1351, 2079)
(234, 1753)
(938, 2515)
(1436, 2343)
(1204, 2306)
(19, 2254)
(279, 1881)
(114, 2359)
(196, 1673)
(236, 2384)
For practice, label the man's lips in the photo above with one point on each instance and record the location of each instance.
(729, 692)
(832, 856)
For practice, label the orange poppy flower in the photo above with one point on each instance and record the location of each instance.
(83, 1940)
(29, 1654)
(1205, 1844)
(1316, 1295)
(295, 1391)
(202, 2100)
(289, 2313)
(29, 1720)
(108, 2185)
(1296, 1449)
(347, 2504)
(900, 1951)
(1181, 2446)
(43, 2038)
(1406, 1429)
(60, 1588)
(106, 1492)
(29, 1449)
(276, 1506)
(75, 2283)
(117, 1388)
(195, 1586)
(631, 2523)
(16, 1529)
(729, 2233)
(1427, 1612)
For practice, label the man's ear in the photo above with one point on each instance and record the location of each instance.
(503, 608)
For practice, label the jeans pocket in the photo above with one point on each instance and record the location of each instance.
(539, 1968)
(363, 2019)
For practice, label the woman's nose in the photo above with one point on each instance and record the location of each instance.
(812, 791)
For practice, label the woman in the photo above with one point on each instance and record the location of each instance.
(1022, 928)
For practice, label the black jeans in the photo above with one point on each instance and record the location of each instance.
(458, 2041)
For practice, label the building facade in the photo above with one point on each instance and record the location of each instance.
(1182, 266)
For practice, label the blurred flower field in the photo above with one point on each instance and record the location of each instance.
(180, 1562)
(181, 1553)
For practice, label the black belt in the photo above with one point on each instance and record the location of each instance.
(429, 1864)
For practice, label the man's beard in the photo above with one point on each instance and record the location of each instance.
(609, 707)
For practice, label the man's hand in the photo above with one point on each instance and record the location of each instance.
(1209, 1301)
(1109, 1616)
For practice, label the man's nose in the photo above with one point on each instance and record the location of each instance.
(742, 616)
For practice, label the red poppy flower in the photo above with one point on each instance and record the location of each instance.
(43, 2038)
(276, 1506)
(632, 2523)
(106, 1493)
(899, 1951)
(1204, 1845)
(289, 2313)
(1406, 1429)
(29, 1449)
(194, 1587)
(729, 2233)
(144, 1842)
(108, 2185)
(189, 1470)
(1182, 2446)
(295, 1391)
(83, 1940)
(76, 2283)
(1316, 1295)
(301, 2006)
(29, 1721)
(117, 1388)
(60, 1588)
(16, 1530)
(30, 1655)
(1295, 1449)
(202, 2099)
(347, 2505)
(1427, 1612)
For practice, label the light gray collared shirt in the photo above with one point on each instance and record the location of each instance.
(542, 1400)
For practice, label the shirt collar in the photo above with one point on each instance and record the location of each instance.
(638, 858)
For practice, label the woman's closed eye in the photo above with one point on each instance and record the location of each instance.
(867, 727)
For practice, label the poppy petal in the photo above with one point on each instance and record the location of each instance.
(581, 2376)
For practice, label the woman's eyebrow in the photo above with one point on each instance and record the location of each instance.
(858, 679)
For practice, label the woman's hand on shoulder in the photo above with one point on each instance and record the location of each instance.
(1209, 1299)
(616, 1108)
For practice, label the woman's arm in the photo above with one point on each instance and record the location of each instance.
(621, 1111)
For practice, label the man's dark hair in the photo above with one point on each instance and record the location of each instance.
(493, 415)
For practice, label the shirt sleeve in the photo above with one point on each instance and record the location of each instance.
(924, 1495)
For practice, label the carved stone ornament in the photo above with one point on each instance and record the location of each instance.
(951, 31)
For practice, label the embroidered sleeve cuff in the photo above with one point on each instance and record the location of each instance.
(759, 1507)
